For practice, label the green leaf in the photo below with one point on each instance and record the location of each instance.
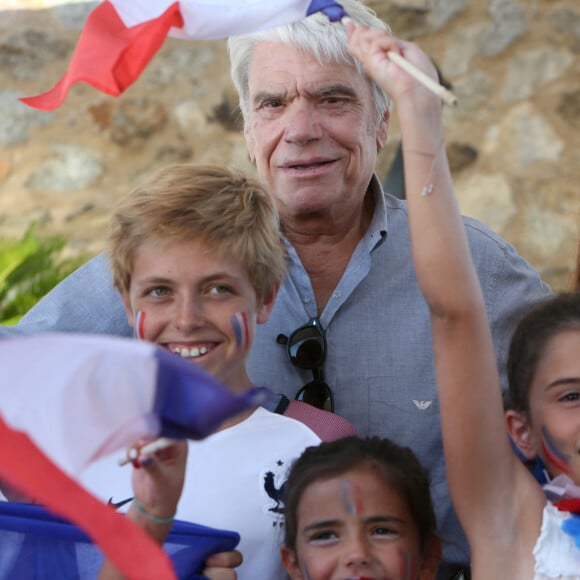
(29, 268)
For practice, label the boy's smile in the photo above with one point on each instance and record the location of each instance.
(189, 298)
(188, 351)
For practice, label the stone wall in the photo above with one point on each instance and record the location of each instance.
(512, 141)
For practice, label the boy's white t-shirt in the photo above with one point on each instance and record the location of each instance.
(233, 481)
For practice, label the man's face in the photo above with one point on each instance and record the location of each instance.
(312, 130)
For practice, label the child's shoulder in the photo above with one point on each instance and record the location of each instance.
(279, 430)
(328, 426)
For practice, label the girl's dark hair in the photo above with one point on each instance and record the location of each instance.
(398, 465)
(546, 319)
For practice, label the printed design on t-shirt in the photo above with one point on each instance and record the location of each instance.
(273, 484)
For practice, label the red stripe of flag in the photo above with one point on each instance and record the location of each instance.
(26, 468)
(110, 56)
(571, 505)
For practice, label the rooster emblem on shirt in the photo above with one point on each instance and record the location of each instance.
(275, 492)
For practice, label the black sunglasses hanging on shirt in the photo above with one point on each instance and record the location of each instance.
(306, 349)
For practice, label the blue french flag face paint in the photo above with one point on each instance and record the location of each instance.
(139, 328)
(241, 330)
(554, 453)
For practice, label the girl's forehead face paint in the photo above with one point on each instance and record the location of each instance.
(139, 329)
(239, 322)
(351, 498)
(553, 451)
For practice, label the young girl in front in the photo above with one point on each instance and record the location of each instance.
(514, 531)
(359, 509)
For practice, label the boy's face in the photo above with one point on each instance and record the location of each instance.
(186, 298)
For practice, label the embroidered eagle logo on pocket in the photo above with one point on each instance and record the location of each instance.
(422, 405)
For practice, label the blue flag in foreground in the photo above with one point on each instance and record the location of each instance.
(36, 545)
(120, 37)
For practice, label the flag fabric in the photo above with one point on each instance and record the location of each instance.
(113, 391)
(36, 545)
(120, 37)
(27, 469)
(67, 399)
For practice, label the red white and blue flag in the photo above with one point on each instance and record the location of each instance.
(67, 400)
(120, 37)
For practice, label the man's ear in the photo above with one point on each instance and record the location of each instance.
(250, 143)
(267, 305)
(290, 563)
(431, 559)
(520, 431)
(383, 130)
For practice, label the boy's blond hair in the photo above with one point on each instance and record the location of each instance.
(221, 207)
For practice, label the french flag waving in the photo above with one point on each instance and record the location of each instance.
(120, 37)
(66, 400)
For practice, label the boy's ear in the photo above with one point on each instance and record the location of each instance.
(431, 559)
(520, 431)
(267, 305)
(128, 310)
(290, 563)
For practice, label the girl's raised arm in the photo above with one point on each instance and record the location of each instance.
(486, 480)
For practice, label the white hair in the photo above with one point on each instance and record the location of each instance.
(317, 35)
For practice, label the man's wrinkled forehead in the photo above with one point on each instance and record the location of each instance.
(278, 69)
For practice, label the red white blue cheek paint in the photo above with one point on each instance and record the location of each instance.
(241, 330)
(553, 452)
(139, 328)
(405, 566)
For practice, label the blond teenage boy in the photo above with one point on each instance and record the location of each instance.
(197, 257)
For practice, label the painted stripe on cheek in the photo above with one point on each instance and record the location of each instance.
(553, 453)
(139, 330)
(406, 566)
(241, 330)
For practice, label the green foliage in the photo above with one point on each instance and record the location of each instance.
(29, 268)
